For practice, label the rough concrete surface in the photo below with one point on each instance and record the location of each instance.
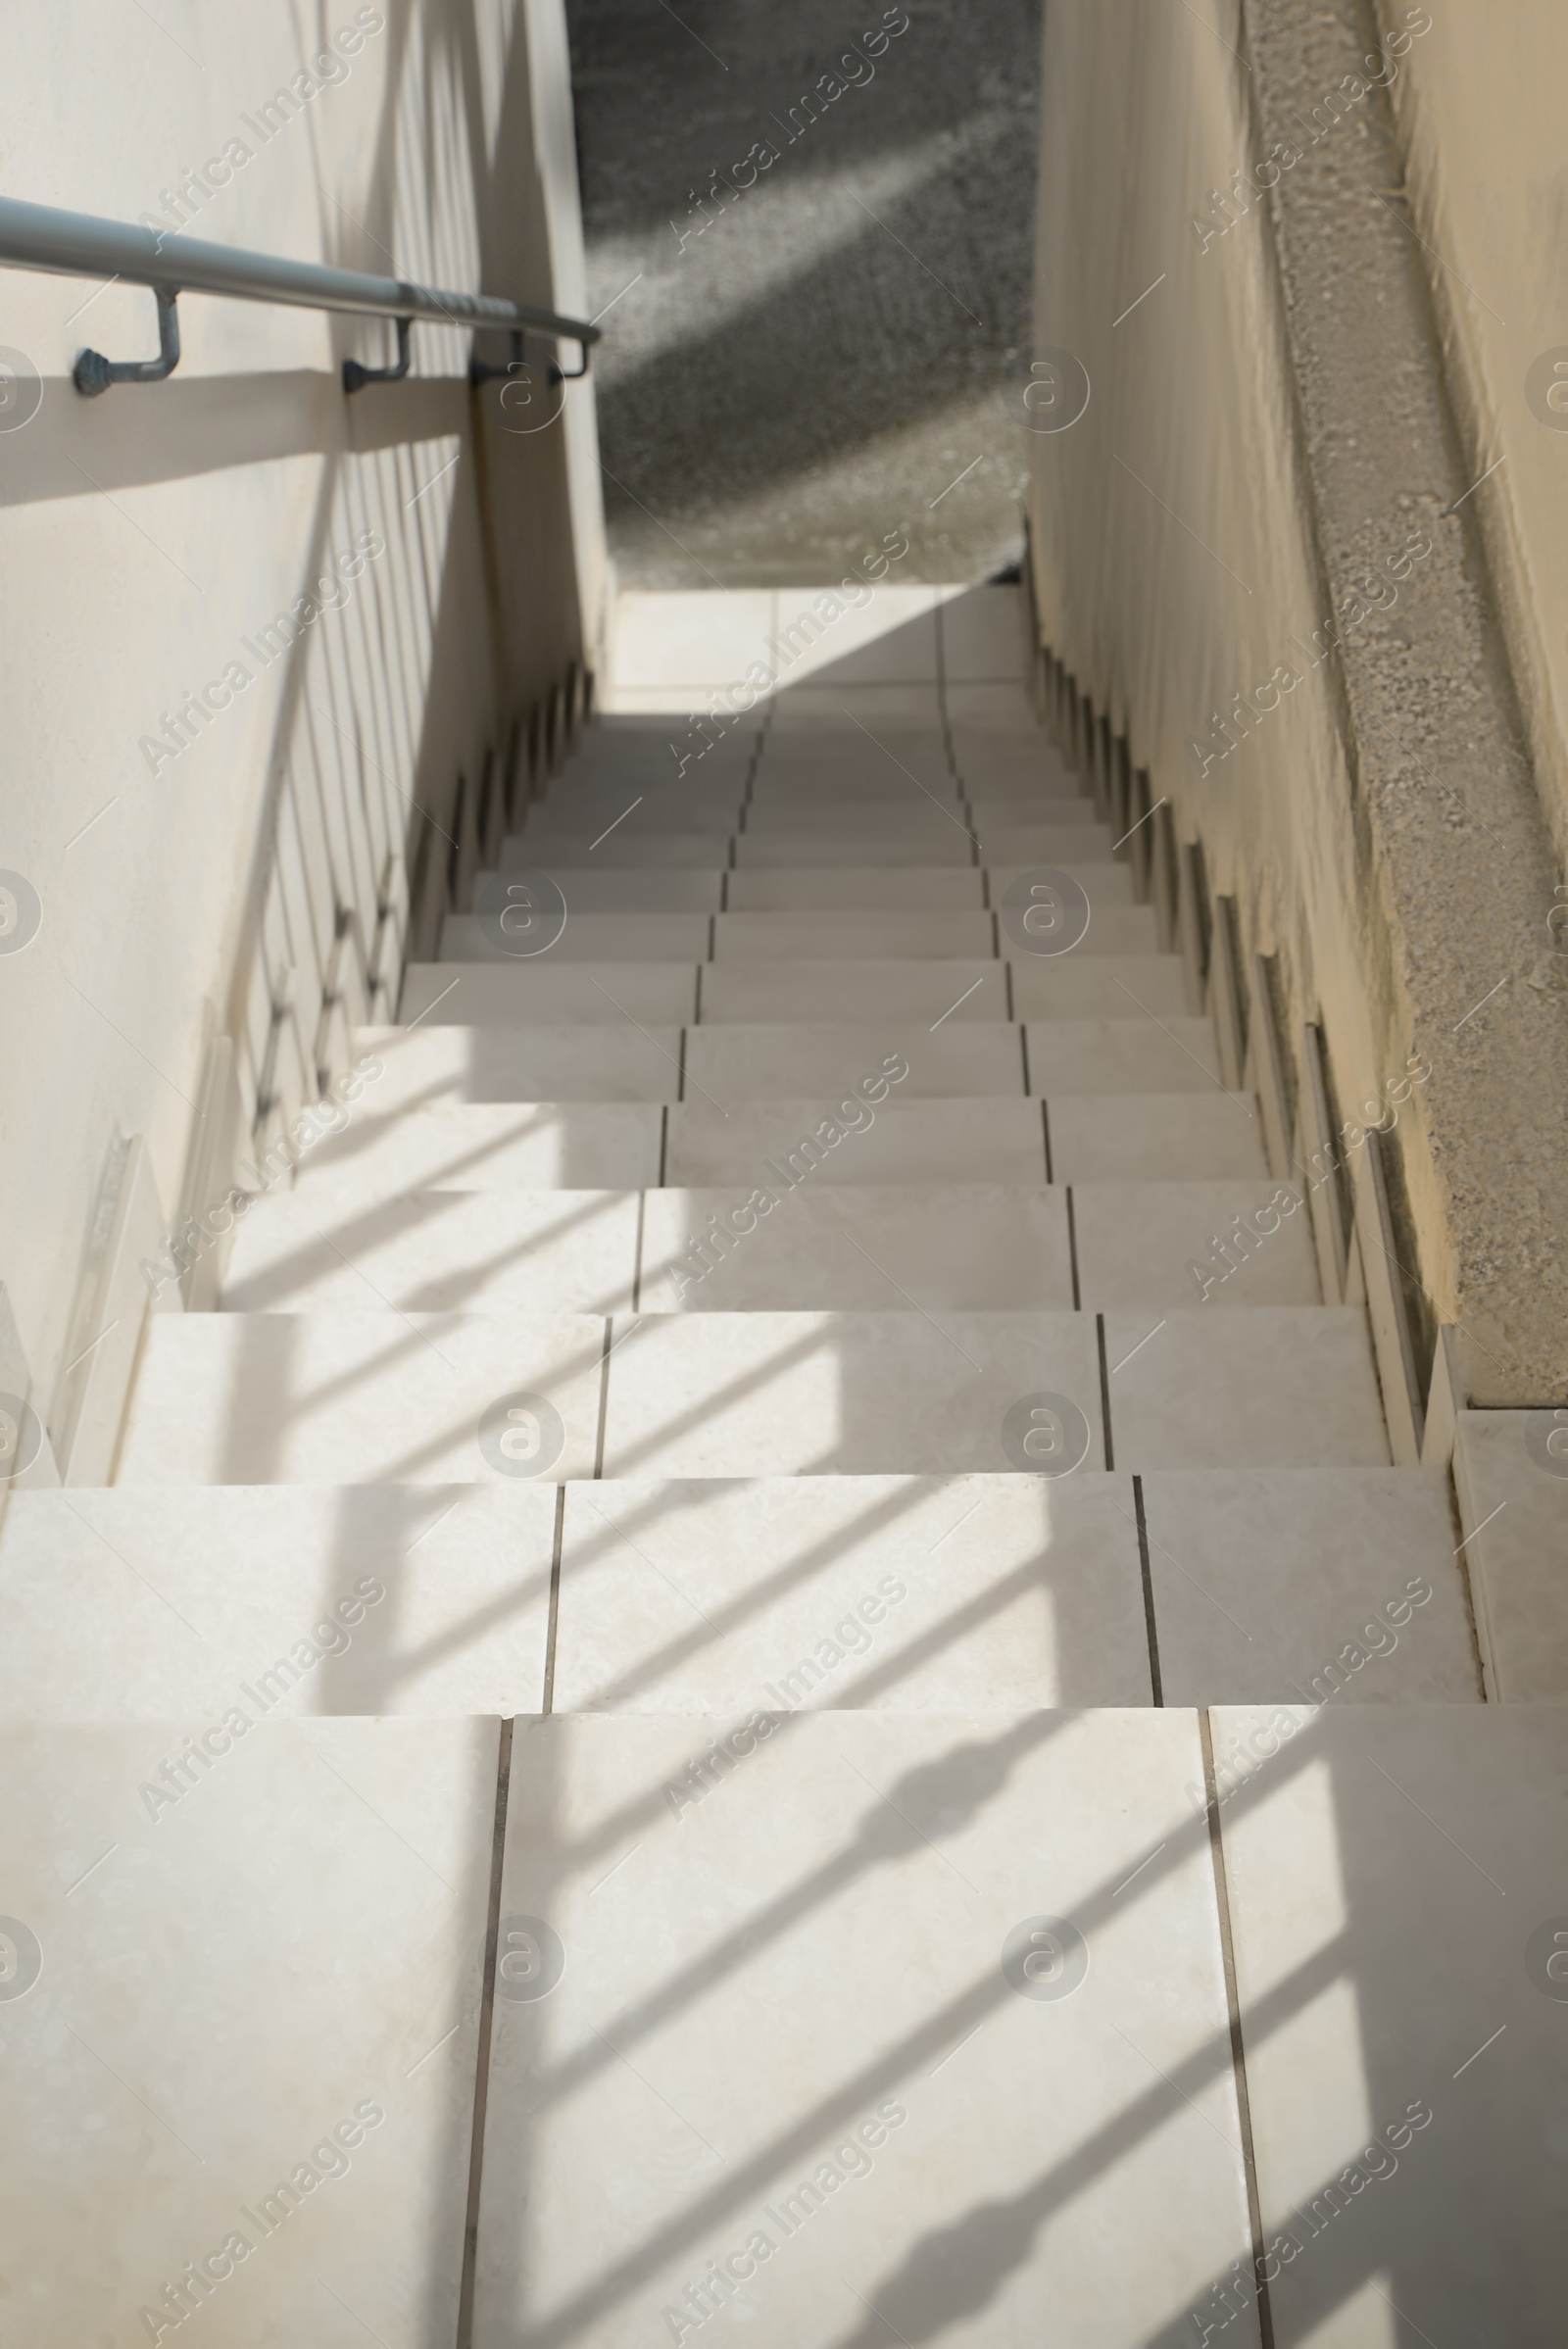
(1454, 867)
(795, 367)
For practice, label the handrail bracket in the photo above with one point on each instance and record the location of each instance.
(94, 373)
(355, 377)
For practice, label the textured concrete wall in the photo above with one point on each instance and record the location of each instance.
(245, 870)
(1480, 116)
(1245, 503)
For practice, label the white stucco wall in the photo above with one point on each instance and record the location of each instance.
(151, 534)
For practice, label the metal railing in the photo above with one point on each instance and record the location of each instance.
(75, 244)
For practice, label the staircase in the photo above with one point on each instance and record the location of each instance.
(767, 1679)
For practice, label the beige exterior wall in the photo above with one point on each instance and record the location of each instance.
(250, 879)
(1269, 429)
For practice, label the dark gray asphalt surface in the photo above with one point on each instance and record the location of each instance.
(822, 300)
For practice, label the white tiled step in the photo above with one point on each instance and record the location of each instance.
(826, 1394)
(1511, 1471)
(1020, 842)
(573, 815)
(126, 1605)
(621, 937)
(1056, 844)
(621, 850)
(448, 1062)
(867, 935)
(1154, 1137)
(774, 994)
(853, 935)
(1130, 1053)
(899, 1141)
(439, 1251)
(1137, 1241)
(591, 888)
(864, 1247)
(976, 1139)
(346, 1397)
(1309, 1585)
(1270, 1387)
(780, 1393)
(1396, 1888)
(490, 1146)
(546, 994)
(258, 2018)
(818, 2038)
(851, 760)
(1096, 981)
(860, 821)
(986, 1594)
(824, 888)
(729, 1064)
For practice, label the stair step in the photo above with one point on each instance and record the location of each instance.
(621, 937)
(130, 1605)
(351, 1397)
(440, 1061)
(438, 1251)
(899, 1141)
(1392, 1875)
(588, 888)
(856, 1248)
(1067, 843)
(862, 934)
(1153, 1137)
(848, 756)
(804, 1394)
(768, 993)
(549, 994)
(586, 814)
(924, 934)
(461, 1144)
(827, 887)
(620, 850)
(789, 1062)
(1136, 1243)
(1102, 981)
(314, 1905)
(821, 2033)
(1513, 1498)
(911, 1594)
(1264, 1387)
(1308, 1586)
(1011, 1591)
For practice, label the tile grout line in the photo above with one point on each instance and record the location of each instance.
(553, 1620)
(1104, 1389)
(1156, 1679)
(604, 1397)
(482, 2075)
(1244, 2103)
(697, 1003)
(1023, 1039)
(1072, 1251)
(680, 1069)
(664, 1141)
(1044, 1128)
(637, 1255)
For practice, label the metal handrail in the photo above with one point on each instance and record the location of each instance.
(78, 244)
